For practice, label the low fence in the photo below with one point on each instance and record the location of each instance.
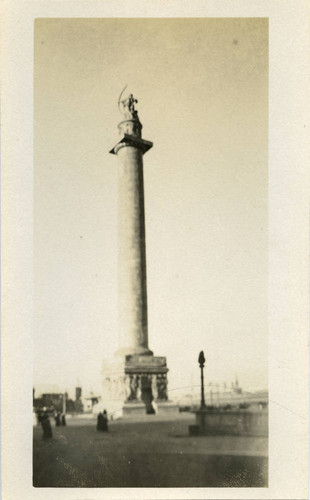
(238, 422)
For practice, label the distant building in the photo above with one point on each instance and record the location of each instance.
(78, 404)
(57, 401)
(54, 401)
(78, 393)
(89, 402)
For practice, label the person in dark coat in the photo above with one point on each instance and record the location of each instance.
(63, 419)
(57, 418)
(100, 421)
(40, 413)
(46, 425)
(105, 421)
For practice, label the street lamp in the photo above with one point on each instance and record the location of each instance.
(201, 361)
(64, 409)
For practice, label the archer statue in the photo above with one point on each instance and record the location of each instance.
(127, 106)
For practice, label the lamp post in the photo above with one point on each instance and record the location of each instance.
(64, 402)
(201, 361)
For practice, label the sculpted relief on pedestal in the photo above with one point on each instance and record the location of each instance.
(136, 383)
(161, 383)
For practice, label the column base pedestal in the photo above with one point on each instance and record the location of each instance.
(138, 408)
(139, 381)
(167, 408)
(134, 409)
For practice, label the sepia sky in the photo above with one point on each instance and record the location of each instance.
(202, 87)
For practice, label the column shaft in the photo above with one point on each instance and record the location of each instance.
(133, 332)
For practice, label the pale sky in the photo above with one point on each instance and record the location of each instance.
(202, 87)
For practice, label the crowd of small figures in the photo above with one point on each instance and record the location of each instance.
(60, 419)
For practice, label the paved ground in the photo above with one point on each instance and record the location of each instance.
(149, 453)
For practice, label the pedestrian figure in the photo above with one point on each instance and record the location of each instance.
(63, 419)
(57, 418)
(100, 421)
(105, 421)
(46, 425)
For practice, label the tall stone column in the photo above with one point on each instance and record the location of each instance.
(140, 376)
(133, 328)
